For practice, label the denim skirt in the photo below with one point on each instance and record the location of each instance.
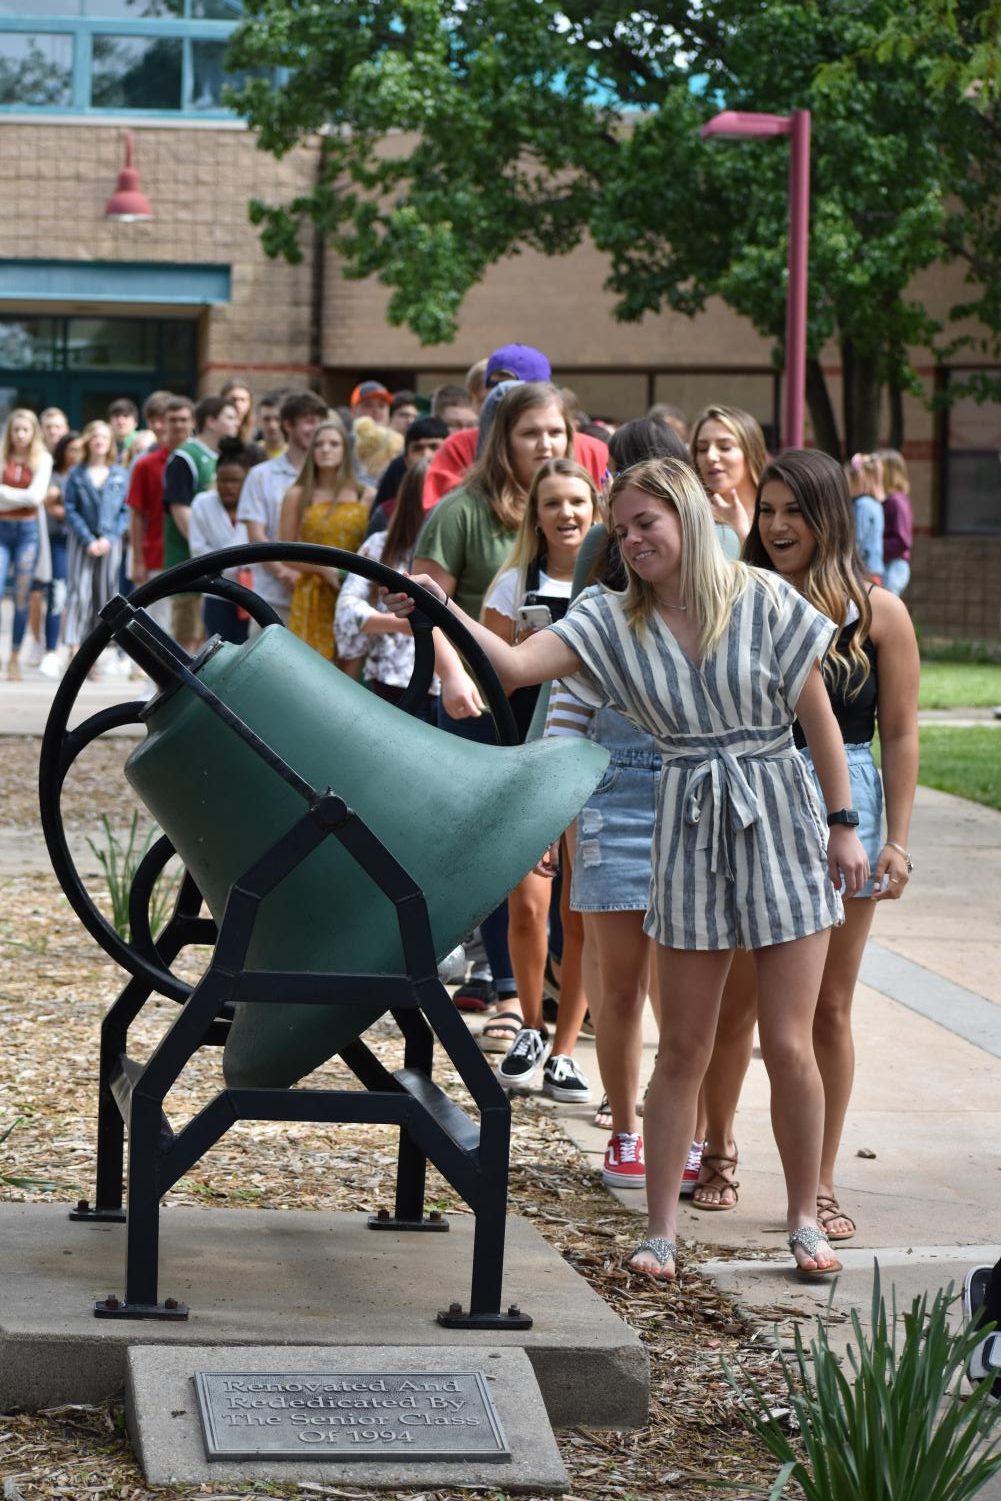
(611, 867)
(867, 800)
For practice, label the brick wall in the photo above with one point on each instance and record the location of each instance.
(955, 587)
(55, 179)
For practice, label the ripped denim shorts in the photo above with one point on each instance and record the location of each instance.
(611, 867)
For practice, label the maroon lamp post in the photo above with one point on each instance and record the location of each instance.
(735, 122)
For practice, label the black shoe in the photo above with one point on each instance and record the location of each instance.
(985, 1361)
(525, 1057)
(975, 1294)
(550, 1009)
(475, 995)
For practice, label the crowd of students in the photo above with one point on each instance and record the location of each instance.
(724, 623)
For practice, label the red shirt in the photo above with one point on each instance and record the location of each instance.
(455, 457)
(146, 497)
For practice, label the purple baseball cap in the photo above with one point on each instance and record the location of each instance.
(519, 360)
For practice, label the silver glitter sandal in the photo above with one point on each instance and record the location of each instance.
(811, 1239)
(663, 1249)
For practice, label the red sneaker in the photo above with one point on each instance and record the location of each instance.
(624, 1166)
(690, 1176)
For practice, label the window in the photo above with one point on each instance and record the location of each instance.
(80, 364)
(971, 462)
(136, 72)
(30, 344)
(134, 10)
(111, 344)
(39, 68)
(147, 56)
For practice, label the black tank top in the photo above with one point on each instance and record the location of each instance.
(524, 700)
(856, 716)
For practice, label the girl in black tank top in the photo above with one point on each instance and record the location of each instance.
(803, 529)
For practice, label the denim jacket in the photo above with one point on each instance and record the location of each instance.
(93, 513)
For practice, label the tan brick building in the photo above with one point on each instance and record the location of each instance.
(92, 308)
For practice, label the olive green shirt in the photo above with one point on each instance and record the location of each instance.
(463, 536)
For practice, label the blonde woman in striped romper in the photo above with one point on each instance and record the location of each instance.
(715, 660)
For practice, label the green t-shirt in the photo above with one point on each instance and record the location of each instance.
(200, 462)
(463, 536)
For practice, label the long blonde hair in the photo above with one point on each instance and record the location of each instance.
(710, 584)
(493, 474)
(529, 543)
(894, 471)
(87, 438)
(37, 449)
(305, 480)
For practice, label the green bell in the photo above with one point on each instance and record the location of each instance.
(466, 821)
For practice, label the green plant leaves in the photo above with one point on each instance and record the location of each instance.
(892, 1426)
(119, 862)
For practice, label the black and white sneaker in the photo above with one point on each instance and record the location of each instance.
(562, 1080)
(975, 1287)
(985, 1362)
(985, 1365)
(524, 1058)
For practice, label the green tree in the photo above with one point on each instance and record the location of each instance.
(962, 40)
(456, 134)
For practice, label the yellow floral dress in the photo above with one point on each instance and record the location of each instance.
(333, 523)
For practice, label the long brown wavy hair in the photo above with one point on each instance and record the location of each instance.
(493, 473)
(835, 578)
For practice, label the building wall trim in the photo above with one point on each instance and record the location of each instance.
(114, 281)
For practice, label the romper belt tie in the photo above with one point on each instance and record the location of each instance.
(718, 797)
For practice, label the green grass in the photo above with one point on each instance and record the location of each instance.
(965, 762)
(960, 685)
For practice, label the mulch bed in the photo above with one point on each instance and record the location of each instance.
(54, 988)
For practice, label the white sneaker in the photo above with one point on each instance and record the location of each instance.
(32, 652)
(50, 666)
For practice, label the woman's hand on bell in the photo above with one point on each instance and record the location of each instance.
(548, 864)
(403, 605)
(460, 697)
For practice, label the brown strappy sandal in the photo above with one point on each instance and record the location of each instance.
(717, 1166)
(829, 1210)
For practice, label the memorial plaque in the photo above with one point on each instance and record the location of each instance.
(383, 1415)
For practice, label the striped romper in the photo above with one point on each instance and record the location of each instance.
(739, 847)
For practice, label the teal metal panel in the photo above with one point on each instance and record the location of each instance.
(113, 281)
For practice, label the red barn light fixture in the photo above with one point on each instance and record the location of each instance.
(128, 204)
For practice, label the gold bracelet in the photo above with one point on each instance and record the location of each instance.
(893, 845)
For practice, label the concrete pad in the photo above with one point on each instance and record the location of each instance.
(297, 1277)
(770, 1293)
(161, 1409)
(24, 706)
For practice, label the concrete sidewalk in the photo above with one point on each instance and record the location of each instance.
(919, 1170)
